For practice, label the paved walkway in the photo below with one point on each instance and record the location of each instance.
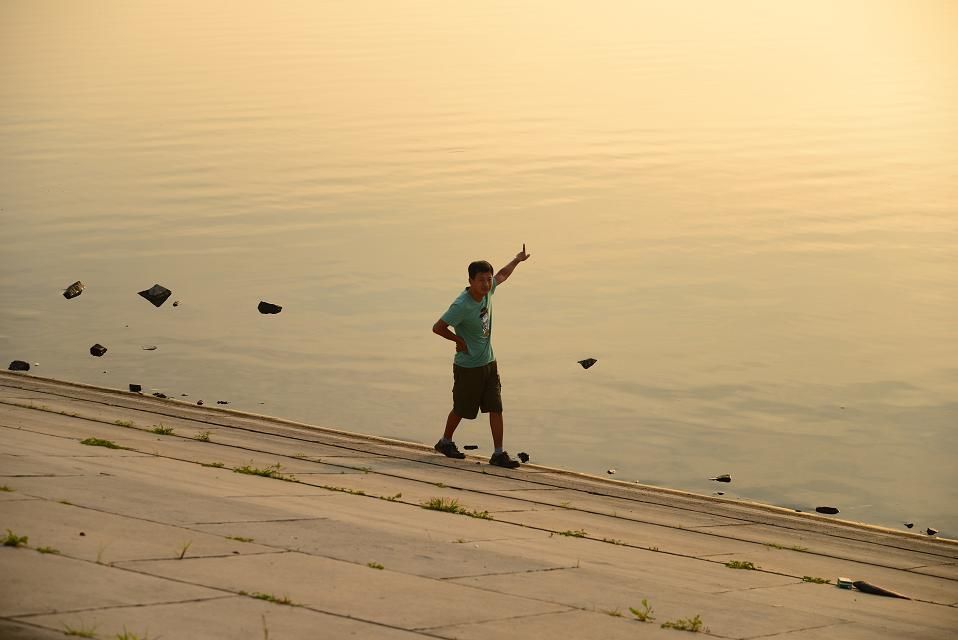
(164, 538)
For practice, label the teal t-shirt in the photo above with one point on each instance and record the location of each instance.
(473, 323)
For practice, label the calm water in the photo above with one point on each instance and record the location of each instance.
(747, 211)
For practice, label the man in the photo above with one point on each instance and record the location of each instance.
(476, 383)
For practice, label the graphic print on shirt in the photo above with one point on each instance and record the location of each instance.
(484, 319)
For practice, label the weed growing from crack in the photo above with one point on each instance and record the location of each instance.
(392, 498)
(216, 465)
(772, 545)
(355, 492)
(270, 471)
(451, 505)
(615, 613)
(613, 541)
(740, 564)
(645, 613)
(126, 635)
(578, 533)
(815, 580)
(82, 632)
(685, 624)
(375, 565)
(203, 436)
(184, 548)
(162, 430)
(268, 597)
(4, 487)
(123, 423)
(239, 538)
(48, 550)
(99, 442)
(13, 540)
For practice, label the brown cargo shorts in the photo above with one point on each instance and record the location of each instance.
(476, 388)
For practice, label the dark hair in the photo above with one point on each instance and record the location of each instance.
(479, 266)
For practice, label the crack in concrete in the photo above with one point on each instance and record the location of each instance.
(509, 573)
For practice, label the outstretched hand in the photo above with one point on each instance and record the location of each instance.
(522, 256)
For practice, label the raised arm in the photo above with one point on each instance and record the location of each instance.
(507, 270)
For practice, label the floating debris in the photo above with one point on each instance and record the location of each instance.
(588, 362)
(199, 402)
(19, 365)
(157, 295)
(149, 347)
(611, 472)
(866, 587)
(470, 447)
(159, 395)
(844, 583)
(222, 402)
(523, 457)
(267, 307)
(97, 350)
(909, 524)
(176, 303)
(829, 510)
(136, 388)
(722, 478)
(931, 532)
(73, 290)
(184, 395)
(720, 493)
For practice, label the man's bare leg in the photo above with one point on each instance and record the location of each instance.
(495, 424)
(453, 421)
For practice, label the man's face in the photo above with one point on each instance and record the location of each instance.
(481, 284)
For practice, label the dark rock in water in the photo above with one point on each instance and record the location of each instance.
(829, 510)
(722, 478)
(611, 472)
(199, 402)
(176, 303)
(97, 350)
(19, 365)
(266, 307)
(720, 493)
(470, 447)
(73, 290)
(588, 362)
(136, 388)
(523, 457)
(931, 532)
(159, 395)
(156, 294)
(909, 524)
(222, 402)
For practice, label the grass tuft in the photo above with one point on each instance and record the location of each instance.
(578, 533)
(4, 487)
(48, 550)
(126, 635)
(270, 471)
(645, 613)
(13, 540)
(740, 564)
(216, 465)
(239, 538)
(183, 549)
(815, 580)
(375, 565)
(99, 442)
(82, 632)
(162, 429)
(268, 597)
(451, 505)
(203, 436)
(685, 624)
(123, 423)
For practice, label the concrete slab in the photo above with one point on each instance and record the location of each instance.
(47, 583)
(228, 618)
(12, 630)
(110, 538)
(344, 588)
(596, 624)
(414, 552)
(725, 615)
